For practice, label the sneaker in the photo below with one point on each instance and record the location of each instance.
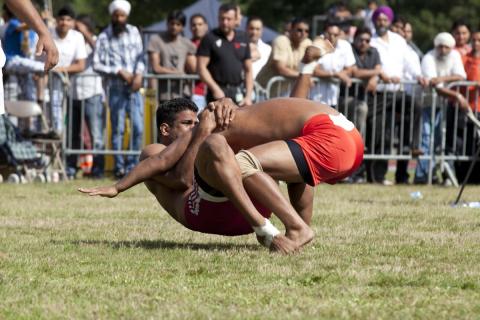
(447, 182)
(386, 182)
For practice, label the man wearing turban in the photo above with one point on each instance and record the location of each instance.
(397, 66)
(119, 58)
(440, 66)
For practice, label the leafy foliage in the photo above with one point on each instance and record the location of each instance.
(427, 17)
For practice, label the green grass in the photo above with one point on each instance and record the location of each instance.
(377, 254)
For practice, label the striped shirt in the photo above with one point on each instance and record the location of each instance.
(124, 52)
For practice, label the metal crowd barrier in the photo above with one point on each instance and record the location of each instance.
(390, 130)
(394, 120)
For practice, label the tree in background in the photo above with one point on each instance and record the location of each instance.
(427, 17)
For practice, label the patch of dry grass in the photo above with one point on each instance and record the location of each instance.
(377, 254)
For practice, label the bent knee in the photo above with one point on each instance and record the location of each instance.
(214, 144)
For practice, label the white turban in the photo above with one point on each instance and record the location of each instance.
(122, 5)
(444, 39)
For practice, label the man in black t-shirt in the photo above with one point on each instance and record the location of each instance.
(224, 61)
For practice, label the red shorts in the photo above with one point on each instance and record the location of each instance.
(217, 215)
(332, 147)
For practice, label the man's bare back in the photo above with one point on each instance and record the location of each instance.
(276, 119)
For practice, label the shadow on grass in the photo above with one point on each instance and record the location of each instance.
(163, 244)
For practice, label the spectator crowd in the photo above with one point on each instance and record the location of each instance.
(378, 55)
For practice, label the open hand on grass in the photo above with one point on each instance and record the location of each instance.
(108, 191)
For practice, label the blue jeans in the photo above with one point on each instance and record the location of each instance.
(95, 117)
(123, 102)
(57, 99)
(421, 171)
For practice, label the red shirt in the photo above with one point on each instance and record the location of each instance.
(472, 68)
(200, 87)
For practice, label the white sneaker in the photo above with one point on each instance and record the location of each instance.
(386, 182)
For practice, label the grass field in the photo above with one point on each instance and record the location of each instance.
(377, 254)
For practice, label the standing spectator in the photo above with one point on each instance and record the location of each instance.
(461, 32)
(239, 17)
(372, 5)
(367, 68)
(223, 55)
(440, 66)
(340, 12)
(73, 54)
(408, 31)
(18, 42)
(397, 64)
(398, 26)
(337, 65)
(21, 67)
(119, 57)
(287, 52)
(26, 11)
(260, 51)
(471, 63)
(199, 28)
(171, 53)
(87, 101)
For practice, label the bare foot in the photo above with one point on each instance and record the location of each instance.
(282, 244)
(300, 237)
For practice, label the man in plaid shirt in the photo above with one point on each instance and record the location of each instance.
(119, 58)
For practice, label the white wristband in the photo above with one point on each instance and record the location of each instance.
(268, 231)
(307, 68)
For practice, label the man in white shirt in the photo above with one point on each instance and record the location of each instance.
(440, 66)
(397, 64)
(259, 50)
(333, 68)
(87, 94)
(73, 55)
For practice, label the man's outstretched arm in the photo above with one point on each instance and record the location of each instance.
(25, 11)
(145, 169)
(171, 155)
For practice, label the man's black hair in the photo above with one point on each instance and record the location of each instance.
(168, 110)
(459, 23)
(331, 23)
(177, 15)
(361, 31)
(198, 15)
(254, 18)
(298, 20)
(66, 10)
(227, 7)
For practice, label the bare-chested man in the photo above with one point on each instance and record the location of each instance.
(295, 140)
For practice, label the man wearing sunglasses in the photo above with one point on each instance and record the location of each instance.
(287, 52)
(334, 70)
